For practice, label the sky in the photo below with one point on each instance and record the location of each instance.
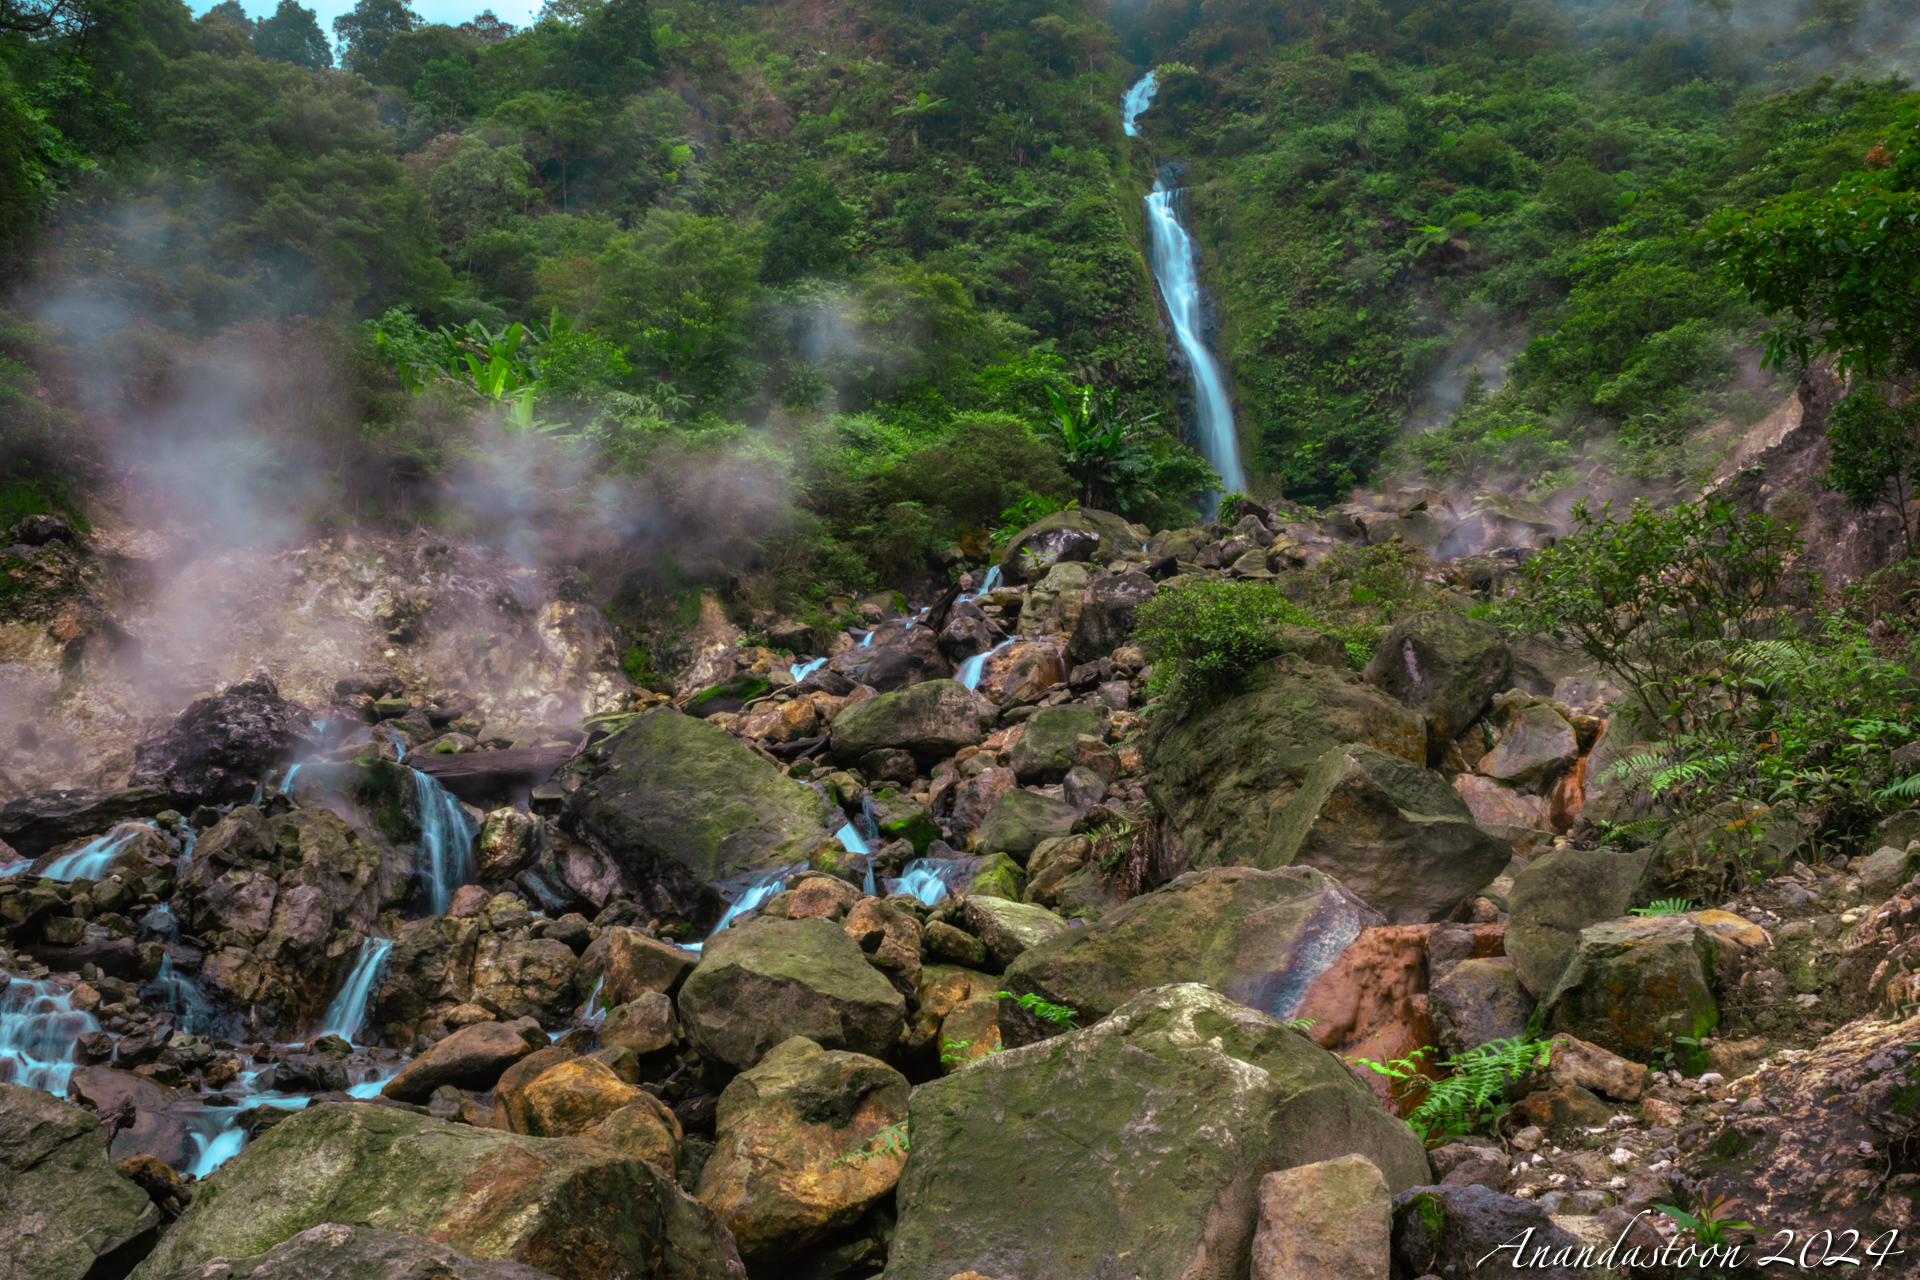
(518, 12)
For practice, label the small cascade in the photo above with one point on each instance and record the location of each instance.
(38, 1029)
(15, 866)
(931, 879)
(169, 988)
(744, 895)
(851, 840)
(801, 670)
(869, 821)
(868, 638)
(348, 1012)
(591, 1012)
(867, 886)
(1135, 101)
(973, 668)
(94, 859)
(446, 842)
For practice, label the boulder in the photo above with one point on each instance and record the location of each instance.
(974, 798)
(932, 720)
(1049, 742)
(1391, 831)
(1259, 938)
(64, 1205)
(1107, 614)
(630, 963)
(644, 1024)
(677, 804)
(1458, 1233)
(571, 1098)
(1494, 805)
(889, 934)
(645, 1128)
(538, 978)
(575, 1209)
(1573, 1061)
(510, 1110)
(1022, 672)
(1556, 896)
(1632, 985)
(1020, 821)
(509, 842)
(471, 1058)
(1220, 773)
(1120, 1130)
(899, 659)
(770, 980)
(804, 1143)
(221, 747)
(429, 971)
(1476, 1001)
(1083, 535)
(1009, 929)
(1535, 744)
(1329, 1220)
(335, 1251)
(1052, 604)
(35, 824)
(1443, 665)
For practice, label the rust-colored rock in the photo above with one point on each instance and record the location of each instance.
(888, 934)
(632, 963)
(645, 1024)
(827, 897)
(510, 1111)
(572, 1098)
(646, 1128)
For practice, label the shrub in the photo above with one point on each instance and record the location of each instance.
(1203, 637)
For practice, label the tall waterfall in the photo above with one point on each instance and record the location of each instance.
(1174, 256)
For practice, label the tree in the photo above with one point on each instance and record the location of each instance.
(615, 49)
(365, 32)
(1842, 264)
(809, 233)
(1874, 453)
(293, 35)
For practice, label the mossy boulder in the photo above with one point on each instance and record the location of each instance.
(64, 1205)
(575, 1209)
(1632, 985)
(1083, 534)
(729, 696)
(998, 877)
(1020, 820)
(1139, 1143)
(770, 980)
(1257, 937)
(932, 720)
(1556, 896)
(376, 797)
(1048, 745)
(335, 1251)
(1443, 665)
(1391, 831)
(676, 804)
(1010, 929)
(1221, 772)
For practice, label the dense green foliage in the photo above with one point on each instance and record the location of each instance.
(1471, 1093)
(1874, 448)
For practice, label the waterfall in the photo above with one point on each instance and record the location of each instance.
(749, 893)
(348, 1012)
(851, 840)
(801, 670)
(169, 988)
(973, 668)
(930, 879)
(38, 1029)
(92, 860)
(1136, 101)
(446, 842)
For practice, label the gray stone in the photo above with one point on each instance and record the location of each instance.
(1477, 1001)
(1329, 1220)
(62, 1203)
(931, 720)
(1009, 929)
(1556, 896)
(1019, 821)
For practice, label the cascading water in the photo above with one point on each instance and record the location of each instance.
(92, 860)
(169, 988)
(38, 1029)
(931, 879)
(801, 670)
(446, 842)
(1174, 256)
(973, 668)
(348, 1012)
(744, 895)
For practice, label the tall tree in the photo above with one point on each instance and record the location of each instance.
(293, 35)
(365, 32)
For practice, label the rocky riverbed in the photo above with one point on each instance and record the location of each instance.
(906, 949)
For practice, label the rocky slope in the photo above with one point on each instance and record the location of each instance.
(910, 949)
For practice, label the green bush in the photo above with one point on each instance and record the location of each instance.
(1203, 637)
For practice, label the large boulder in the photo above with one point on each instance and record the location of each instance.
(1107, 614)
(573, 1208)
(429, 972)
(1220, 773)
(769, 980)
(64, 1205)
(631, 963)
(801, 1147)
(1022, 671)
(335, 1251)
(37, 823)
(1009, 930)
(899, 661)
(1556, 896)
(471, 1058)
(1020, 820)
(1443, 665)
(1391, 831)
(933, 720)
(677, 804)
(1083, 535)
(1048, 745)
(221, 747)
(1052, 605)
(1476, 1001)
(1142, 1138)
(1633, 985)
(537, 978)
(1259, 938)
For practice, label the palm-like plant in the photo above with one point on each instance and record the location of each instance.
(1107, 455)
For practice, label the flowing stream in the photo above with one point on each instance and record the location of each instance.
(446, 842)
(348, 1012)
(1174, 256)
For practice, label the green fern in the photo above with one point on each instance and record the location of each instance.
(1471, 1093)
(1058, 1014)
(1664, 907)
(1905, 789)
(889, 1140)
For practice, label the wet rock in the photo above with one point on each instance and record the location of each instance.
(1023, 672)
(801, 1147)
(1008, 929)
(975, 798)
(932, 720)
(632, 963)
(537, 978)
(1329, 1220)
(572, 1208)
(36, 824)
(1049, 742)
(769, 980)
(1220, 774)
(955, 946)
(1556, 896)
(221, 746)
(1632, 985)
(334, 1251)
(828, 897)
(509, 842)
(901, 660)
(676, 804)
(63, 1203)
(1019, 821)
(429, 971)
(1477, 1001)
(888, 933)
(510, 1110)
(1118, 1127)
(1258, 937)
(645, 1024)
(1443, 665)
(1392, 832)
(1456, 1233)
(1107, 614)
(967, 632)
(471, 1058)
